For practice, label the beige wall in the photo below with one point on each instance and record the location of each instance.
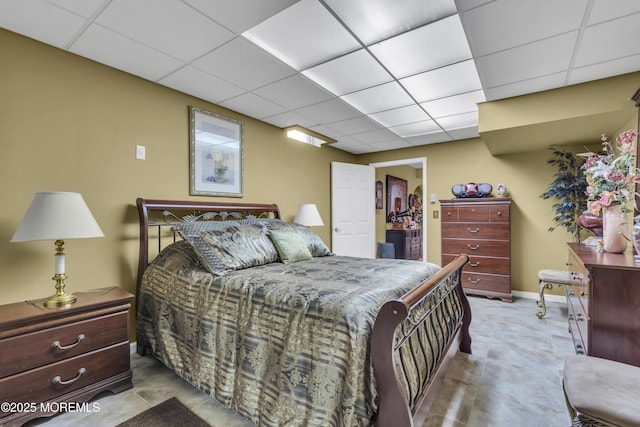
(67, 123)
(70, 124)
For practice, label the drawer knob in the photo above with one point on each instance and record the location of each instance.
(499, 213)
(473, 231)
(56, 344)
(474, 248)
(58, 379)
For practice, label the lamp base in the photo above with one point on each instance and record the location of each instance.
(60, 297)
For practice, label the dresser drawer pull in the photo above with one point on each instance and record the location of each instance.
(474, 281)
(58, 380)
(474, 264)
(56, 344)
(474, 248)
(473, 231)
(579, 317)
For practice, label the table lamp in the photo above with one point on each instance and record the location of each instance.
(308, 215)
(57, 216)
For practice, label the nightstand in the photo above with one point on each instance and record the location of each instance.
(54, 355)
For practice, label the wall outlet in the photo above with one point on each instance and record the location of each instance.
(141, 152)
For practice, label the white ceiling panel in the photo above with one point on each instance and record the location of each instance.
(425, 48)
(607, 41)
(225, 12)
(243, 64)
(410, 66)
(303, 35)
(400, 116)
(378, 98)
(104, 46)
(170, 26)
(364, 71)
(195, 82)
(504, 24)
(375, 20)
(39, 20)
(446, 81)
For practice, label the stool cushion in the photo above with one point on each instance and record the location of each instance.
(554, 276)
(603, 389)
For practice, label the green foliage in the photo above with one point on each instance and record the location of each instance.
(568, 189)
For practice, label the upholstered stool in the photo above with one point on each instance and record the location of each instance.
(601, 392)
(386, 250)
(548, 278)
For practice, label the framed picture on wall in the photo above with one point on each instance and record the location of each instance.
(379, 195)
(396, 197)
(215, 154)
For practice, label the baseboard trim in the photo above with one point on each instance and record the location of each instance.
(536, 296)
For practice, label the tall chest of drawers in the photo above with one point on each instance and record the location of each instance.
(480, 228)
(52, 357)
(603, 301)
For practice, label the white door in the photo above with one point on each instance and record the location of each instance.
(353, 210)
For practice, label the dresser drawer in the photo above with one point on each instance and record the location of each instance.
(38, 385)
(469, 230)
(38, 349)
(474, 214)
(486, 282)
(499, 213)
(483, 264)
(490, 248)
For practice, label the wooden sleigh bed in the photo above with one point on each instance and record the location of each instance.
(325, 340)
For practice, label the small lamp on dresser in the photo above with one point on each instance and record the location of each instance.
(308, 215)
(57, 216)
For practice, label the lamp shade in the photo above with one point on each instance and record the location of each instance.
(57, 216)
(308, 215)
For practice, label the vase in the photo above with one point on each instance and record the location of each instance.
(613, 220)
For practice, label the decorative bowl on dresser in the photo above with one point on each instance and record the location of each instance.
(54, 357)
(480, 228)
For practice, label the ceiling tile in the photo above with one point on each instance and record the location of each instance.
(608, 41)
(198, 83)
(349, 73)
(602, 10)
(464, 133)
(456, 104)
(239, 15)
(288, 118)
(170, 26)
(253, 106)
(395, 144)
(417, 128)
(244, 64)
(355, 125)
(303, 35)
(40, 21)
(426, 48)
(429, 138)
(503, 24)
(375, 20)
(537, 84)
(352, 146)
(459, 121)
(375, 136)
(400, 116)
(84, 8)
(119, 52)
(294, 92)
(604, 69)
(329, 111)
(525, 62)
(446, 81)
(378, 98)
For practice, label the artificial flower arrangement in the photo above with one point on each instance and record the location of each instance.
(611, 176)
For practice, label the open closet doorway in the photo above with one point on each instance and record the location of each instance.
(416, 164)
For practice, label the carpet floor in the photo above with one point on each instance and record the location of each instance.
(513, 377)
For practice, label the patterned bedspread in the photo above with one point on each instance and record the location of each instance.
(281, 344)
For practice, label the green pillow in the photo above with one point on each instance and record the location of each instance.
(290, 245)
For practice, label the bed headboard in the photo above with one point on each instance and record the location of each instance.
(164, 214)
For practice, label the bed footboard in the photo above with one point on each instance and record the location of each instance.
(414, 338)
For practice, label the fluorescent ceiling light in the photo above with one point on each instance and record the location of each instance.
(308, 137)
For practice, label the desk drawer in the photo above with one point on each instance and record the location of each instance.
(38, 385)
(36, 348)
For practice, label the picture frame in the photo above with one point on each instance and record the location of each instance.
(396, 197)
(379, 195)
(215, 154)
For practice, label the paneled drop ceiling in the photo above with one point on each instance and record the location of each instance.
(374, 75)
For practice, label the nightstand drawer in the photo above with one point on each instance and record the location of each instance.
(39, 385)
(38, 348)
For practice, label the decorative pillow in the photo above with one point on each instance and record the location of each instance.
(314, 242)
(290, 245)
(190, 231)
(241, 246)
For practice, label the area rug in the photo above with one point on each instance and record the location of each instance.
(169, 413)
